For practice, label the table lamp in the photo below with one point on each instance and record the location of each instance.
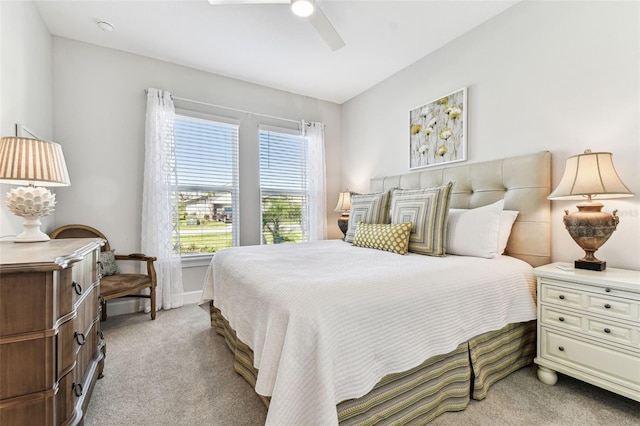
(585, 177)
(31, 162)
(344, 206)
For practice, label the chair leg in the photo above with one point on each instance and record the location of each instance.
(103, 308)
(153, 303)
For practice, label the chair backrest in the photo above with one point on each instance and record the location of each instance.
(79, 231)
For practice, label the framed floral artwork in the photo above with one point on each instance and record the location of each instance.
(438, 131)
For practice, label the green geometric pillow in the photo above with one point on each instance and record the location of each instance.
(387, 237)
(368, 208)
(427, 209)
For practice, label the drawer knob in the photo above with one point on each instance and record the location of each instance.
(77, 389)
(607, 306)
(607, 330)
(80, 338)
(561, 348)
(561, 319)
(561, 297)
(608, 290)
(77, 287)
(100, 335)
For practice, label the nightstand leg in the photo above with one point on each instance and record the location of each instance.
(546, 376)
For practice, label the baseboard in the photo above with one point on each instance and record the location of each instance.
(191, 297)
(130, 306)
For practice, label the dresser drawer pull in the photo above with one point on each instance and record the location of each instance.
(77, 389)
(608, 290)
(561, 297)
(607, 330)
(80, 338)
(100, 335)
(561, 348)
(607, 306)
(561, 319)
(77, 287)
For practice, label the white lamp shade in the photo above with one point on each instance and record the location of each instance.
(344, 202)
(26, 161)
(590, 174)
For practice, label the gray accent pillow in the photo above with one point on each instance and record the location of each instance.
(368, 208)
(427, 209)
(108, 263)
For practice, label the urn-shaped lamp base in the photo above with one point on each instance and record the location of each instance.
(590, 228)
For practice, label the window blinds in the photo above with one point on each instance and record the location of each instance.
(206, 158)
(283, 186)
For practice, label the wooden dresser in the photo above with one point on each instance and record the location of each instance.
(51, 346)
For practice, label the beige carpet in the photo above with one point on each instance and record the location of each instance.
(177, 371)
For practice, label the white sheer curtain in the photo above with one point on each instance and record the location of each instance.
(158, 208)
(314, 132)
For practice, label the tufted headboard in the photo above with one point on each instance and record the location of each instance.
(524, 182)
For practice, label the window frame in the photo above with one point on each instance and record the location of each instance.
(203, 259)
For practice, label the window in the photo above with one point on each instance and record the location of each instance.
(283, 186)
(206, 186)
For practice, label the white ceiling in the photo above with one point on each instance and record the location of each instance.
(268, 45)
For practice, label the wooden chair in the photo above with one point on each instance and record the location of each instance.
(119, 284)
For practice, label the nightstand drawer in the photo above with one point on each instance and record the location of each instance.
(561, 296)
(609, 330)
(615, 307)
(600, 361)
(561, 319)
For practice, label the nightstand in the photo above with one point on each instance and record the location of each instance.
(589, 327)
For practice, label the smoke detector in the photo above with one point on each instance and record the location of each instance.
(105, 26)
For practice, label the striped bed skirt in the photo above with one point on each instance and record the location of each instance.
(442, 383)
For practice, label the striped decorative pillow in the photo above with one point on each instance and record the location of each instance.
(427, 209)
(368, 208)
(383, 236)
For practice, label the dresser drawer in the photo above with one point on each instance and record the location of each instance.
(89, 349)
(560, 296)
(601, 361)
(612, 331)
(560, 318)
(26, 364)
(83, 275)
(612, 306)
(65, 399)
(87, 307)
(66, 347)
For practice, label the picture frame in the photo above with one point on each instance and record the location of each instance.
(438, 131)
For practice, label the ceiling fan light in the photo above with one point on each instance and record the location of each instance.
(302, 8)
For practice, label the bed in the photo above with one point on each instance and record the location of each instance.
(327, 332)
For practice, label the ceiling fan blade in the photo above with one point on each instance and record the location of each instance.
(318, 19)
(322, 25)
(248, 1)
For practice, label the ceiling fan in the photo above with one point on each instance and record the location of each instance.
(306, 9)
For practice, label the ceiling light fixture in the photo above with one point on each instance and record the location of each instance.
(302, 8)
(105, 26)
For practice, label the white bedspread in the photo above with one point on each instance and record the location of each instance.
(327, 320)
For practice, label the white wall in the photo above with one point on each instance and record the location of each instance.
(557, 76)
(99, 118)
(26, 88)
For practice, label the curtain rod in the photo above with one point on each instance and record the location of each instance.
(177, 98)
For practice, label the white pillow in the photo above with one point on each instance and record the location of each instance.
(507, 218)
(474, 232)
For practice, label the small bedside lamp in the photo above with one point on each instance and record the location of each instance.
(586, 176)
(25, 161)
(344, 206)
